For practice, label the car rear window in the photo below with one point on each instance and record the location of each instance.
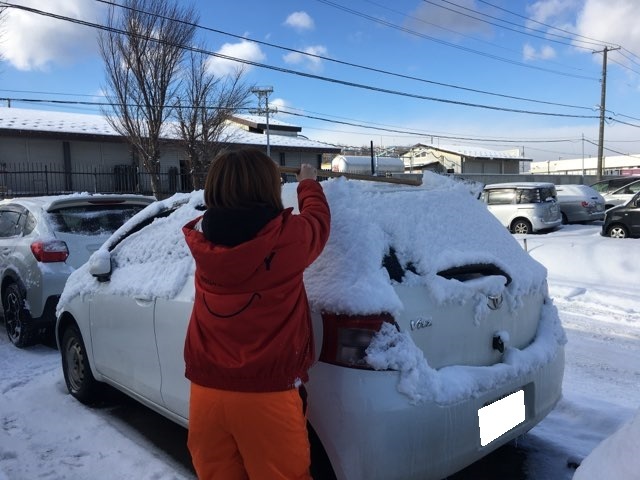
(92, 219)
(536, 195)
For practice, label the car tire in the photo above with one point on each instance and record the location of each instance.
(521, 226)
(617, 231)
(75, 366)
(17, 319)
(565, 220)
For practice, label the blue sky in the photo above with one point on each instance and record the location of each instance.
(442, 57)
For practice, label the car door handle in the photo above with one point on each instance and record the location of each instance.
(143, 301)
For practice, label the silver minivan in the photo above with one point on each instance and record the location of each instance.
(523, 207)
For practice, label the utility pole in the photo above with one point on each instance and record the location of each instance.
(603, 94)
(264, 92)
(583, 157)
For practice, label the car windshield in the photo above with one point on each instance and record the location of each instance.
(92, 219)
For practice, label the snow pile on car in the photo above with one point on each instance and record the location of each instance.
(434, 227)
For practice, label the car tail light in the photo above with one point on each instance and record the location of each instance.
(585, 204)
(50, 251)
(346, 337)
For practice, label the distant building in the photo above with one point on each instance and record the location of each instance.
(616, 165)
(43, 141)
(463, 159)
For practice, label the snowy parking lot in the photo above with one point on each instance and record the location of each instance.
(45, 433)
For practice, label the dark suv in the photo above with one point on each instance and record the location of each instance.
(624, 220)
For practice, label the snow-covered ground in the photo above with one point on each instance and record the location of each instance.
(595, 283)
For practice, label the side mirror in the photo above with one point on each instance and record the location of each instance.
(100, 265)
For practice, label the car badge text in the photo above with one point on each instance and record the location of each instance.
(419, 323)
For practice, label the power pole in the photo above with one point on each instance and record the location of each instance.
(603, 94)
(264, 92)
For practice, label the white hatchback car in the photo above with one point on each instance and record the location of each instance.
(436, 339)
(523, 207)
(42, 240)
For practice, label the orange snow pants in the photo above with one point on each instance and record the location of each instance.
(240, 435)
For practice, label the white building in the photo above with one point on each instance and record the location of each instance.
(617, 165)
(464, 159)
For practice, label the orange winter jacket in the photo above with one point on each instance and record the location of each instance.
(250, 328)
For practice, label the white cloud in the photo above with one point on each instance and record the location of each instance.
(300, 21)
(245, 50)
(549, 11)
(546, 52)
(312, 63)
(614, 21)
(36, 42)
(278, 103)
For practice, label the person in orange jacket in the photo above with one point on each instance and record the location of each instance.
(249, 343)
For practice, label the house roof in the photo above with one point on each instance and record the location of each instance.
(46, 123)
(261, 123)
(473, 151)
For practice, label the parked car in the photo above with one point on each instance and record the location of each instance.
(579, 203)
(623, 221)
(427, 321)
(622, 195)
(42, 240)
(611, 184)
(523, 207)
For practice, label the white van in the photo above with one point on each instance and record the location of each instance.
(523, 207)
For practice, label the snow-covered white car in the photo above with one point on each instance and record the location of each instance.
(436, 339)
(42, 240)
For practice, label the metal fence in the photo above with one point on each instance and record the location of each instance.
(32, 180)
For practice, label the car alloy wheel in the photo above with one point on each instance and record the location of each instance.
(16, 318)
(521, 226)
(617, 231)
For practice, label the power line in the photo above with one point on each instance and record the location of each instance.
(588, 40)
(303, 74)
(608, 149)
(449, 44)
(441, 27)
(408, 132)
(358, 124)
(354, 123)
(354, 65)
(546, 34)
(573, 34)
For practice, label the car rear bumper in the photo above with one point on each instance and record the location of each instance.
(376, 433)
(542, 224)
(40, 294)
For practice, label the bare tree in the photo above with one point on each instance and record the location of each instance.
(142, 50)
(203, 109)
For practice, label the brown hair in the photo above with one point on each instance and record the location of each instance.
(243, 178)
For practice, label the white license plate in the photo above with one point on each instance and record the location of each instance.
(501, 416)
